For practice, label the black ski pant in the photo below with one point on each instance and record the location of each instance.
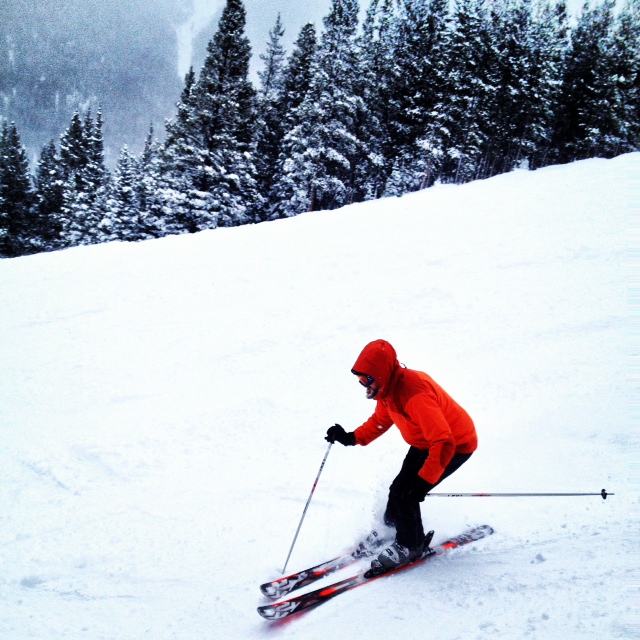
(403, 512)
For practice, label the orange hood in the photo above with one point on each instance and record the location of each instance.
(378, 360)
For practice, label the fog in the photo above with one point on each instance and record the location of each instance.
(127, 57)
(57, 56)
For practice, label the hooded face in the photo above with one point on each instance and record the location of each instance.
(378, 360)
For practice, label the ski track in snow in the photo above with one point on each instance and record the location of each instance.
(163, 407)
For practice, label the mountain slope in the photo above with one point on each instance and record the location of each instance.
(163, 407)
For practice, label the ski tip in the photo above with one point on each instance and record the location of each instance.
(268, 612)
(277, 611)
(269, 590)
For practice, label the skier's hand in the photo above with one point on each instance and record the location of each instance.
(418, 489)
(338, 434)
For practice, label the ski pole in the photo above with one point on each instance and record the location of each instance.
(602, 493)
(304, 513)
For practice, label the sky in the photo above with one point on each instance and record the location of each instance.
(261, 16)
(164, 404)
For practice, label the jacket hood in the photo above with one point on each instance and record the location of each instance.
(378, 360)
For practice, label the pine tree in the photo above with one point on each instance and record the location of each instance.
(185, 206)
(271, 125)
(97, 174)
(587, 122)
(551, 40)
(49, 189)
(457, 137)
(73, 152)
(17, 222)
(379, 46)
(422, 34)
(85, 181)
(297, 77)
(323, 150)
(73, 159)
(417, 91)
(149, 186)
(298, 74)
(209, 153)
(135, 207)
(515, 64)
(625, 56)
(122, 220)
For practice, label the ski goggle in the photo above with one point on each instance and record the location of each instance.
(365, 380)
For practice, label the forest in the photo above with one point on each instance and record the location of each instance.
(421, 92)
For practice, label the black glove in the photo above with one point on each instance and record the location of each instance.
(337, 433)
(418, 489)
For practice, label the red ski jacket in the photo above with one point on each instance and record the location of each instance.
(428, 418)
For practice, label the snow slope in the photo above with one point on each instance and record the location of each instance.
(163, 407)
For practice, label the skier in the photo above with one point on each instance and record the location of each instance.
(440, 433)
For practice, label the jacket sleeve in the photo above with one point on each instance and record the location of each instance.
(374, 427)
(424, 410)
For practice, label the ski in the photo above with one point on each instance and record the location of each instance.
(283, 586)
(286, 608)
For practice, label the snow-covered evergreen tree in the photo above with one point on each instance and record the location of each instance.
(588, 123)
(456, 135)
(184, 205)
(18, 227)
(122, 220)
(422, 34)
(153, 213)
(73, 153)
(271, 125)
(85, 181)
(625, 56)
(524, 69)
(297, 76)
(323, 150)
(49, 189)
(209, 152)
(550, 42)
(379, 46)
(417, 90)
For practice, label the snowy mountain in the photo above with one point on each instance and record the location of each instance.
(164, 404)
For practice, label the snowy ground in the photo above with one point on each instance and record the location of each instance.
(163, 407)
